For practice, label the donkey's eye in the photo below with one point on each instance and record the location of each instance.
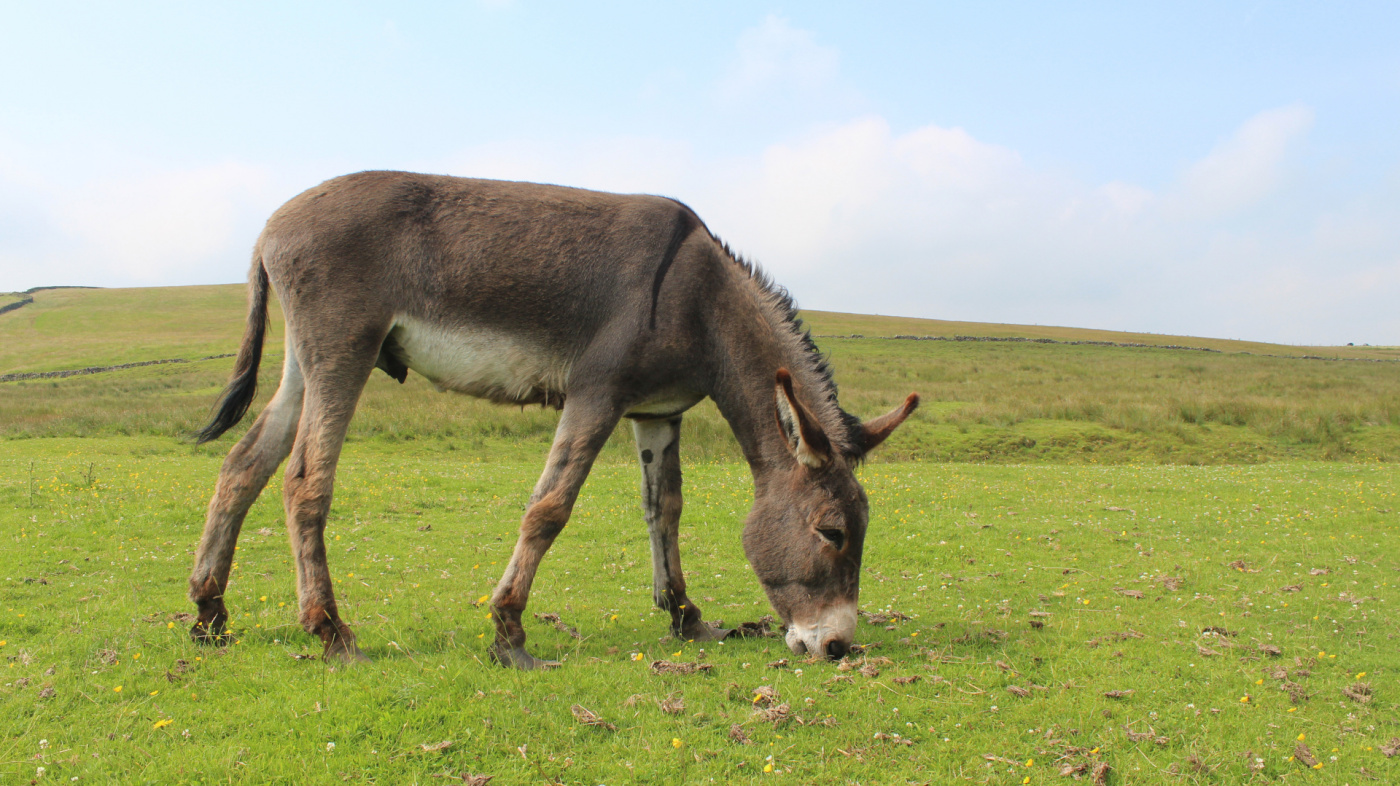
(836, 537)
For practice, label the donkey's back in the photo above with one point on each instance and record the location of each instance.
(557, 261)
(490, 288)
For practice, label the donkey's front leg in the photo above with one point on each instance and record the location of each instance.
(583, 429)
(658, 447)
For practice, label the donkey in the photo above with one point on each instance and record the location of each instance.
(601, 305)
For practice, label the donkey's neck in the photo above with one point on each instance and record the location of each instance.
(755, 338)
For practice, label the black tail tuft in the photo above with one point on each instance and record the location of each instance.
(238, 396)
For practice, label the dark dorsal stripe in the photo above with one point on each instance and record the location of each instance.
(686, 222)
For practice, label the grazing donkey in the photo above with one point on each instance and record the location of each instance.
(601, 305)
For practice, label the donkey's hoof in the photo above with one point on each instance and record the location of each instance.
(518, 658)
(703, 632)
(340, 651)
(210, 633)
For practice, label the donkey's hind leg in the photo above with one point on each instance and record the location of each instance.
(244, 475)
(332, 389)
(658, 447)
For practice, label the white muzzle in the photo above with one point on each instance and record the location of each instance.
(836, 623)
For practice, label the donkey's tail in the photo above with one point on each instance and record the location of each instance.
(244, 386)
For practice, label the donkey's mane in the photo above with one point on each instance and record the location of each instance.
(783, 308)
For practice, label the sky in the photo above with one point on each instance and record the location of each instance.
(1217, 169)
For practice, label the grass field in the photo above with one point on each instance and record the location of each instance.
(1177, 565)
(1169, 582)
(997, 402)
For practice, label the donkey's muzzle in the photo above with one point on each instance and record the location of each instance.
(829, 634)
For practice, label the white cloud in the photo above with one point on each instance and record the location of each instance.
(1243, 169)
(854, 216)
(162, 226)
(775, 57)
(620, 164)
(934, 222)
(159, 225)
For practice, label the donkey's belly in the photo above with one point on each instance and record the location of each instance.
(490, 364)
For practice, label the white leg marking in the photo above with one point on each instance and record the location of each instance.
(653, 438)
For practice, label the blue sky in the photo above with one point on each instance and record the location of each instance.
(1221, 169)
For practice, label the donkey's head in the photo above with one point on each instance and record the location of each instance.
(806, 531)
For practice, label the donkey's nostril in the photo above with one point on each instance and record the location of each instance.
(836, 649)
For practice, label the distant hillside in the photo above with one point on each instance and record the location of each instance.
(74, 328)
(836, 323)
(1134, 401)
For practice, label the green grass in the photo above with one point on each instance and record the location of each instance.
(1047, 478)
(97, 548)
(77, 328)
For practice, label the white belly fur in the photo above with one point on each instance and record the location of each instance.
(481, 362)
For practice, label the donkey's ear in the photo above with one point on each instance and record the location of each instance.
(874, 431)
(806, 440)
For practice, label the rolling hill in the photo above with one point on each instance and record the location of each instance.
(1018, 393)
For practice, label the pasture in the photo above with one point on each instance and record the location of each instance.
(1156, 565)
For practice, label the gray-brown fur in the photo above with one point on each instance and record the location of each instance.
(603, 305)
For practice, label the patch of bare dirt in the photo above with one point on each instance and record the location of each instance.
(1359, 692)
(1304, 754)
(668, 667)
(590, 718)
(673, 704)
(883, 617)
(759, 629)
(559, 624)
(776, 714)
